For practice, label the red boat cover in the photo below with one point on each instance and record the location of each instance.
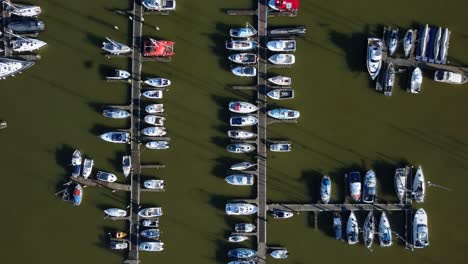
(287, 4)
(76, 192)
(158, 48)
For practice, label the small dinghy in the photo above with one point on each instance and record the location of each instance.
(244, 228)
(76, 163)
(325, 189)
(352, 229)
(241, 134)
(154, 120)
(393, 41)
(284, 114)
(401, 176)
(154, 131)
(436, 44)
(154, 184)
(87, 167)
(281, 147)
(243, 120)
(281, 214)
(385, 231)
(240, 148)
(117, 235)
(151, 246)
(389, 80)
(337, 226)
(151, 212)
(282, 45)
(241, 179)
(237, 239)
(370, 187)
(281, 94)
(279, 254)
(282, 59)
(159, 144)
(420, 229)
(119, 75)
(152, 233)
(154, 108)
(241, 45)
(153, 94)
(408, 42)
(77, 194)
(419, 186)
(355, 185)
(444, 45)
(115, 113)
(242, 253)
(374, 56)
(280, 80)
(115, 212)
(106, 176)
(416, 80)
(26, 44)
(118, 245)
(240, 209)
(114, 47)
(243, 58)
(150, 223)
(242, 166)
(245, 71)
(245, 32)
(368, 231)
(126, 165)
(242, 107)
(158, 82)
(116, 137)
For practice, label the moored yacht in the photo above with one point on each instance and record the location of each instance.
(106, 176)
(151, 246)
(155, 120)
(153, 94)
(244, 32)
(152, 233)
(355, 185)
(115, 47)
(374, 56)
(247, 120)
(76, 163)
(416, 80)
(115, 212)
(283, 114)
(282, 59)
(281, 94)
(154, 184)
(385, 231)
(245, 71)
(119, 75)
(243, 58)
(240, 209)
(87, 167)
(126, 165)
(242, 253)
(154, 131)
(242, 107)
(241, 134)
(281, 214)
(240, 148)
(444, 45)
(159, 5)
(393, 41)
(282, 45)
(240, 179)
(279, 253)
(280, 147)
(419, 186)
(280, 80)
(23, 10)
(450, 77)
(241, 45)
(237, 239)
(115, 113)
(27, 44)
(389, 80)
(154, 108)
(436, 43)
(9, 67)
(368, 230)
(118, 245)
(420, 229)
(244, 227)
(408, 42)
(242, 166)
(150, 222)
(158, 82)
(116, 137)
(370, 187)
(423, 39)
(352, 229)
(337, 226)
(158, 144)
(151, 212)
(77, 195)
(325, 189)
(401, 176)
(26, 26)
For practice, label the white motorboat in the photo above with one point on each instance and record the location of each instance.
(154, 184)
(240, 148)
(115, 212)
(152, 233)
(151, 212)
(118, 245)
(76, 163)
(245, 32)
(126, 165)
(243, 120)
(325, 189)
(281, 94)
(115, 47)
(244, 228)
(119, 75)
(401, 176)
(444, 45)
(27, 44)
(153, 94)
(416, 80)
(420, 229)
(245, 71)
(87, 167)
(280, 80)
(241, 45)
(284, 114)
(243, 58)
(389, 80)
(159, 144)
(115, 113)
(355, 185)
(242, 166)
(393, 41)
(436, 43)
(282, 45)
(281, 214)
(23, 10)
(419, 186)
(116, 137)
(240, 209)
(155, 120)
(150, 222)
(241, 134)
(237, 239)
(242, 107)
(158, 82)
(279, 254)
(10, 67)
(368, 230)
(241, 179)
(106, 176)
(154, 131)
(154, 108)
(374, 56)
(151, 246)
(370, 187)
(450, 77)
(408, 42)
(352, 229)
(281, 147)
(282, 59)
(423, 39)
(242, 262)
(159, 5)
(242, 253)
(385, 231)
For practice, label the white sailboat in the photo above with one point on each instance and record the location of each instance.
(23, 10)
(115, 47)
(408, 42)
(241, 134)
(385, 231)
(420, 229)
(325, 189)
(444, 45)
(369, 230)
(401, 176)
(10, 67)
(423, 39)
(240, 179)
(242, 166)
(87, 167)
(352, 229)
(419, 186)
(240, 209)
(374, 56)
(27, 44)
(126, 165)
(282, 59)
(242, 107)
(280, 80)
(158, 144)
(437, 41)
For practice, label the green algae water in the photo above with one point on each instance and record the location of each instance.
(54, 108)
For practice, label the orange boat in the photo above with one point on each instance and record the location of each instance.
(118, 235)
(158, 48)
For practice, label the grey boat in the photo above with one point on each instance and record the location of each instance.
(27, 26)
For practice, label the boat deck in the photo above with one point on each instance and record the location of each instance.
(7, 51)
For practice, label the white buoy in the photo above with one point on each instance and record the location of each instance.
(130, 17)
(157, 28)
(116, 27)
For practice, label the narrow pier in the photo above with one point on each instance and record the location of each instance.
(338, 207)
(97, 183)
